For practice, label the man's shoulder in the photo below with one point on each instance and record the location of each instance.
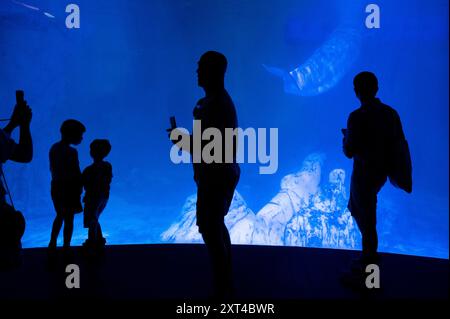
(226, 98)
(221, 99)
(226, 104)
(62, 148)
(388, 109)
(355, 114)
(55, 147)
(377, 107)
(87, 169)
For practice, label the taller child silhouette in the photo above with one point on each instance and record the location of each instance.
(66, 186)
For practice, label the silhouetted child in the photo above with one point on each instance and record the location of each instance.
(96, 181)
(66, 186)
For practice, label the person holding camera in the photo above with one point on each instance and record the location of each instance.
(12, 223)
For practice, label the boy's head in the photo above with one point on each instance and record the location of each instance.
(100, 149)
(72, 131)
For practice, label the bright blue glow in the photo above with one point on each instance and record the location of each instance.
(132, 64)
(325, 68)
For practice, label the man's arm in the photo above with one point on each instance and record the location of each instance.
(23, 152)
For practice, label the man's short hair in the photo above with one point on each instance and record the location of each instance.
(366, 84)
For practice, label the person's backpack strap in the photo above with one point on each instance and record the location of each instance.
(5, 184)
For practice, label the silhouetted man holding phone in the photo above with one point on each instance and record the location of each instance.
(216, 182)
(370, 139)
(12, 223)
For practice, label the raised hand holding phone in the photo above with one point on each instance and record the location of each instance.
(173, 122)
(18, 109)
(173, 125)
(20, 97)
(22, 112)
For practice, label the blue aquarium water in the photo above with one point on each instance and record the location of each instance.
(132, 64)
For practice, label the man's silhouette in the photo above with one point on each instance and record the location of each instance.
(216, 182)
(369, 139)
(12, 223)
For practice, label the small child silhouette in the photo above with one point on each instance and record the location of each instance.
(96, 181)
(66, 185)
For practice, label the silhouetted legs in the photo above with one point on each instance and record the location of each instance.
(67, 219)
(369, 239)
(92, 211)
(68, 230)
(214, 198)
(363, 205)
(95, 232)
(217, 240)
(57, 224)
(227, 242)
(364, 189)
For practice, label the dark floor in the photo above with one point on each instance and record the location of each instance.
(182, 271)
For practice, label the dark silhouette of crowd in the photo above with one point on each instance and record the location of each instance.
(374, 139)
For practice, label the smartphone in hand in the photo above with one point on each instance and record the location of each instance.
(20, 97)
(22, 112)
(173, 122)
(18, 111)
(173, 125)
